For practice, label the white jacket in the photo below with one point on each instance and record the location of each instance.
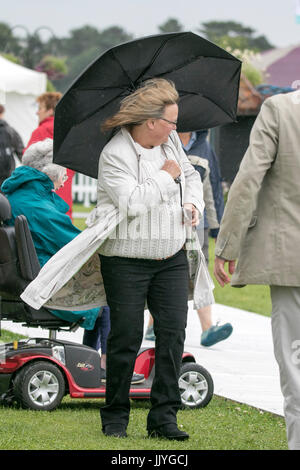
(71, 279)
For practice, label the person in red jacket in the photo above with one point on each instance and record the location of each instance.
(46, 108)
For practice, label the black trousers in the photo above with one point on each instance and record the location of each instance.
(129, 283)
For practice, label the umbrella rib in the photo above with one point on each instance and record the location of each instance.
(133, 86)
(124, 71)
(183, 92)
(155, 55)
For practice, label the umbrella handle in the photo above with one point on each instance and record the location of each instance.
(178, 181)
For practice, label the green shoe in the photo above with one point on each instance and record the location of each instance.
(215, 334)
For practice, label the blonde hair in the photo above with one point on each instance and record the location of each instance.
(148, 101)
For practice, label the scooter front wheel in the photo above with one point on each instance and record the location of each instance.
(39, 386)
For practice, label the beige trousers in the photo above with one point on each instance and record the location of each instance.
(286, 338)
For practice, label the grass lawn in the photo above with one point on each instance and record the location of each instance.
(222, 425)
(80, 222)
(75, 425)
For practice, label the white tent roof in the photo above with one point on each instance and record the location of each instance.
(19, 88)
(19, 79)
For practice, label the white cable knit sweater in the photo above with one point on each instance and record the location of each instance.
(157, 233)
(153, 228)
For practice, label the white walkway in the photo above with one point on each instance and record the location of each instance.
(243, 367)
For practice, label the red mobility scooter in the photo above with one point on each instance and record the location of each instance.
(38, 372)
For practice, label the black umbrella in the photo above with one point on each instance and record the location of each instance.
(206, 77)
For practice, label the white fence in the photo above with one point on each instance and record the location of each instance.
(84, 189)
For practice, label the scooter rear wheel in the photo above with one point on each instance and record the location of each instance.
(196, 386)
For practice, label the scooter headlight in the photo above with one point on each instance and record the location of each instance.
(58, 352)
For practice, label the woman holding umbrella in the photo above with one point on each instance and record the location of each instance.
(144, 172)
(138, 181)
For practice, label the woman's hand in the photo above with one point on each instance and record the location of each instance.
(191, 214)
(171, 167)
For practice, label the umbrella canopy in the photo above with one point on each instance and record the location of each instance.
(206, 78)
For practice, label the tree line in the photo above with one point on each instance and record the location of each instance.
(64, 58)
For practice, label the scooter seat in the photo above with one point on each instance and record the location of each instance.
(19, 265)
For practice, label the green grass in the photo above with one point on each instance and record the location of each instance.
(80, 222)
(81, 208)
(9, 337)
(251, 298)
(76, 426)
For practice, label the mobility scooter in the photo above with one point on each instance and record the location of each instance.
(38, 372)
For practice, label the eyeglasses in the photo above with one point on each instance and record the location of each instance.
(174, 123)
(65, 177)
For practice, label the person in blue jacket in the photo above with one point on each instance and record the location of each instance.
(31, 191)
(195, 144)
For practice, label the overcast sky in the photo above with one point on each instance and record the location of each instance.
(273, 18)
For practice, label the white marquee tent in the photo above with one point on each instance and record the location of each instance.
(19, 88)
